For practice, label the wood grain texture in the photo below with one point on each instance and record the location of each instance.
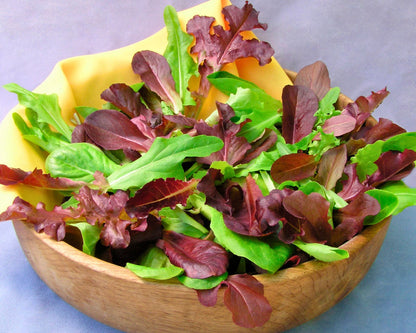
(115, 296)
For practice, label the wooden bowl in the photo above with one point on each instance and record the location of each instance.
(116, 297)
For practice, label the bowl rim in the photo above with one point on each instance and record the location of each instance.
(353, 246)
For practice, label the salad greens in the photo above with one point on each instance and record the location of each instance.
(259, 185)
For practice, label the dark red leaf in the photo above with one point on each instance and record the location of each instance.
(262, 144)
(299, 106)
(383, 130)
(150, 231)
(392, 165)
(349, 220)
(125, 98)
(331, 166)
(227, 45)
(36, 178)
(244, 297)
(270, 208)
(208, 297)
(11, 176)
(158, 194)
(235, 147)
(362, 108)
(245, 219)
(112, 130)
(199, 258)
(313, 209)
(339, 125)
(155, 72)
(370, 103)
(50, 222)
(107, 210)
(352, 187)
(315, 77)
(214, 198)
(296, 166)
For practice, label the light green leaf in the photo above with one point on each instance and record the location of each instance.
(401, 142)
(388, 205)
(163, 160)
(39, 135)
(177, 55)
(369, 154)
(259, 107)
(179, 221)
(160, 273)
(229, 83)
(326, 108)
(90, 236)
(405, 195)
(331, 196)
(79, 161)
(155, 265)
(267, 256)
(46, 107)
(202, 284)
(85, 111)
(322, 252)
(226, 169)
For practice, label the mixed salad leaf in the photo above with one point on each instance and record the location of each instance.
(259, 185)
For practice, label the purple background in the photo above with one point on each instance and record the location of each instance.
(366, 45)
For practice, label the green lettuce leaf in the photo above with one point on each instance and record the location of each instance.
(405, 195)
(46, 107)
(181, 63)
(267, 256)
(202, 284)
(163, 160)
(322, 252)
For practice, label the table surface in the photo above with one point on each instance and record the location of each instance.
(366, 45)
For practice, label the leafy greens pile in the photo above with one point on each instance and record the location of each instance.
(259, 185)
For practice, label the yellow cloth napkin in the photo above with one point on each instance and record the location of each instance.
(79, 81)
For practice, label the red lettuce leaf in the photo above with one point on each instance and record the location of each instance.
(299, 106)
(246, 218)
(199, 258)
(158, 194)
(349, 220)
(392, 165)
(235, 147)
(331, 166)
(313, 210)
(315, 77)
(339, 125)
(36, 178)
(50, 222)
(208, 297)
(214, 198)
(139, 242)
(155, 72)
(352, 186)
(383, 130)
(244, 297)
(227, 45)
(296, 166)
(107, 210)
(112, 130)
(270, 208)
(362, 108)
(125, 98)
